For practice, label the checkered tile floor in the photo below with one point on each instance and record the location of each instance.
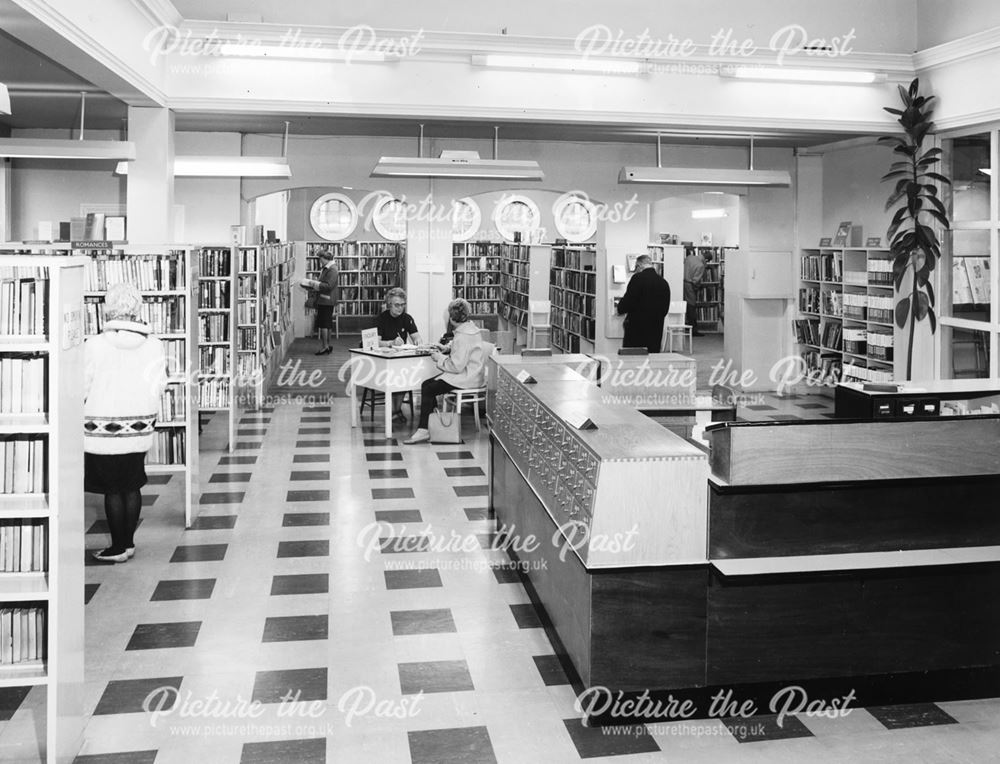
(343, 598)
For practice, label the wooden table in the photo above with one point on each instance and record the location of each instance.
(388, 371)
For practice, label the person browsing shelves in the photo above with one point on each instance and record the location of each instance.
(645, 304)
(325, 296)
(396, 326)
(463, 367)
(694, 272)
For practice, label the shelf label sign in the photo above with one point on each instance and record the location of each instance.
(72, 333)
(524, 377)
(579, 420)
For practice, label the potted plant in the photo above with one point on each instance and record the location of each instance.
(915, 246)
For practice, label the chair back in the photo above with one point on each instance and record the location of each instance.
(676, 312)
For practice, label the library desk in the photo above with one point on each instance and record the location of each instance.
(918, 399)
(388, 372)
(841, 557)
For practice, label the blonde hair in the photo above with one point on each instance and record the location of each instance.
(459, 311)
(122, 301)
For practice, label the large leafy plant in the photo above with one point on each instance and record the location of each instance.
(913, 242)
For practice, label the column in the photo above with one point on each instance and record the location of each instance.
(150, 195)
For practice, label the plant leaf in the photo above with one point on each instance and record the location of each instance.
(921, 306)
(932, 318)
(930, 291)
(936, 176)
(902, 310)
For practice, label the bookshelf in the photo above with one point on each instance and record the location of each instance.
(710, 305)
(845, 327)
(476, 275)
(367, 270)
(263, 316)
(217, 333)
(168, 280)
(573, 294)
(41, 585)
(515, 282)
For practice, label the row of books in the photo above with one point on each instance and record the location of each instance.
(482, 278)
(478, 292)
(246, 312)
(576, 280)
(215, 262)
(389, 249)
(491, 249)
(809, 300)
(173, 404)
(157, 272)
(214, 360)
(247, 338)
(213, 327)
(23, 297)
(578, 303)
(573, 322)
(806, 331)
(577, 259)
(827, 267)
(22, 635)
(823, 366)
(459, 264)
(23, 546)
(855, 306)
(175, 352)
(832, 302)
(566, 342)
(213, 294)
(23, 460)
(165, 315)
(214, 393)
(247, 260)
(881, 308)
(708, 314)
(169, 447)
(369, 279)
(856, 373)
(22, 384)
(832, 335)
(482, 307)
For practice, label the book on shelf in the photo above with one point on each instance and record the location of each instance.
(23, 545)
(22, 634)
(23, 383)
(23, 296)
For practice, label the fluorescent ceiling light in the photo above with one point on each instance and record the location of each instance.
(225, 167)
(461, 166)
(41, 148)
(787, 74)
(704, 176)
(4, 99)
(567, 64)
(247, 50)
(709, 213)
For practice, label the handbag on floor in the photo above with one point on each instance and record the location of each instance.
(445, 426)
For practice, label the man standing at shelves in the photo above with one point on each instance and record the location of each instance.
(694, 272)
(396, 327)
(645, 304)
(326, 296)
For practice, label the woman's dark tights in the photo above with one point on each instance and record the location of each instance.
(122, 512)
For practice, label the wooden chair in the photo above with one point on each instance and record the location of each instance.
(674, 327)
(373, 398)
(473, 395)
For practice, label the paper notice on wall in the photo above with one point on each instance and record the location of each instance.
(72, 333)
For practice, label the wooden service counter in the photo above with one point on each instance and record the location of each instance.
(848, 558)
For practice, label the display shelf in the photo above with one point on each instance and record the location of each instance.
(217, 334)
(168, 278)
(710, 304)
(573, 295)
(263, 316)
(41, 494)
(476, 275)
(845, 312)
(515, 283)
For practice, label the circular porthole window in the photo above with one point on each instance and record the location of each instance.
(333, 217)
(516, 214)
(576, 218)
(389, 219)
(466, 217)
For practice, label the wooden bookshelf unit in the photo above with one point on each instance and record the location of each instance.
(573, 293)
(217, 333)
(476, 276)
(41, 503)
(845, 325)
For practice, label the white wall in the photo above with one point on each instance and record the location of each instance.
(852, 190)
(210, 205)
(53, 190)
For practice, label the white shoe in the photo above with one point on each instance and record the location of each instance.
(420, 435)
(130, 551)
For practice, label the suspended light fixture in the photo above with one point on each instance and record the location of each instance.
(228, 166)
(815, 76)
(457, 164)
(703, 176)
(48, 148)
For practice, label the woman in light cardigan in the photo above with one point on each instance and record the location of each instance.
(124, 376)
(462, 368)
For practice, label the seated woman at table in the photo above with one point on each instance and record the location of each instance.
(462, 368)
(396, 326)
